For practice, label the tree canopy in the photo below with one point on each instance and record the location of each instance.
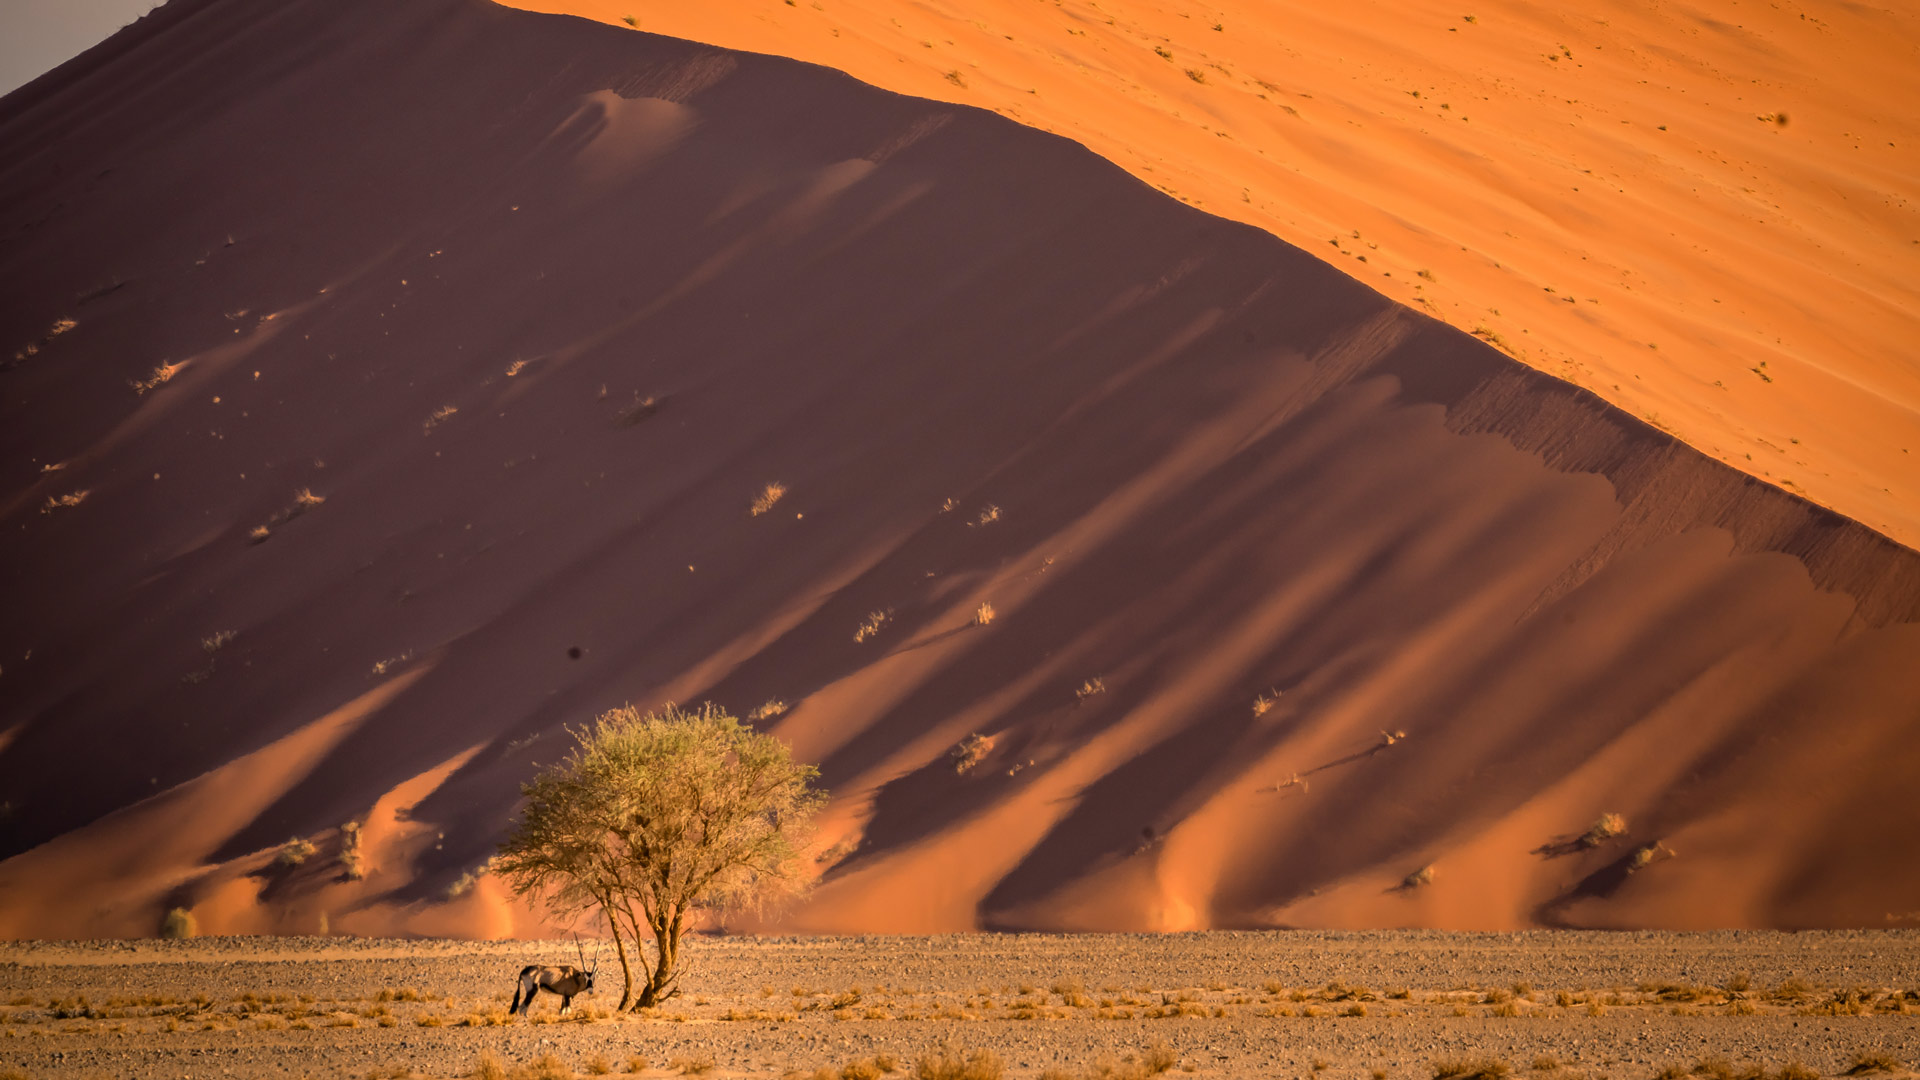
(654, 817)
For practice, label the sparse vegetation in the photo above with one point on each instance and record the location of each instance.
(159, 377)
(1874, 1061)
(1263, 703)
(294, 852)
(1646, 855)
(948, 1063)
(988, 515)
(983, 615)
(439, 416)
(352, 862)
(970, 751)
(1420, 877)
(179, 925)
(767, 710)
(769, 495)
(635, 411)
(1604, 828)
(871, 627)
(61, 502)
(1089, 688)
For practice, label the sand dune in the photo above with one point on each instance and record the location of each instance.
(1708, 214)
(403, 376)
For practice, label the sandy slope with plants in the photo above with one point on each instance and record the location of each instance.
(1564, 1006)
(410, 381)
(1706, 213)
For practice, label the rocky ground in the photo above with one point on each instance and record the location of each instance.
(1330, 1006)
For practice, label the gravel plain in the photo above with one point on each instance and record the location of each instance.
(1290, 1004)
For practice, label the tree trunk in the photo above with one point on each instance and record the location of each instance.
(666, 939)
(626, 969)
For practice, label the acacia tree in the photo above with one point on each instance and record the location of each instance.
(655, 817)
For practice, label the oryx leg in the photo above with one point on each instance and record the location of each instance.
(566, 1004)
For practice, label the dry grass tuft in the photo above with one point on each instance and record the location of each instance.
(983, 614)
(970, 751)
(440, 416)
(1089, 688)
(179, 925)
(1420, 877)
(294, 852)
(1264, 703)
(59, 502)
(871, 627)
(947, 1063)
(768, 709)
(160, 377)
(769, 495)
(691, 1066)
(1604, 828)
(1647, 854)
(988, 515)
(1873, 1062)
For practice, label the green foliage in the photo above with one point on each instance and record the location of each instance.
(655, 817)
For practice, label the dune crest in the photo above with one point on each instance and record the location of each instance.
(1707, 217)
(1298, 592)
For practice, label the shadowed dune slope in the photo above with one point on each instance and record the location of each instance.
(1707, 213)
(394, 384)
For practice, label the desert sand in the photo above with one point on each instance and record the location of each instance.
(395, 385)
(1706, 213)
(1551, 1006)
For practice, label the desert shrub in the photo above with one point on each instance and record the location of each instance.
(547, 1067)
(294, 852)
(179, 924)
(1604, 828)
(488, 1067)
(691, 1066)
(983, 614)
(1794, 1070)
(769, 495)
(1792, 989)
(1545, 1063)
(948, 1063)
(970, 751)
(871, 627)
(1420, 877)
(1646, 855)
(1875, 1061)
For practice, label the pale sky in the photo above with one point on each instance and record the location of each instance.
(39, 35)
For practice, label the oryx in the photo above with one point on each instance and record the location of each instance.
(562, 979)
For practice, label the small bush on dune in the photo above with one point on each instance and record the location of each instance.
(1876, 1061)
(970, 751)
(768, 496)
(1604, 828)
(179, 924)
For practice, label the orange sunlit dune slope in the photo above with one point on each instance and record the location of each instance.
(1707, 213)
(390, 386)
